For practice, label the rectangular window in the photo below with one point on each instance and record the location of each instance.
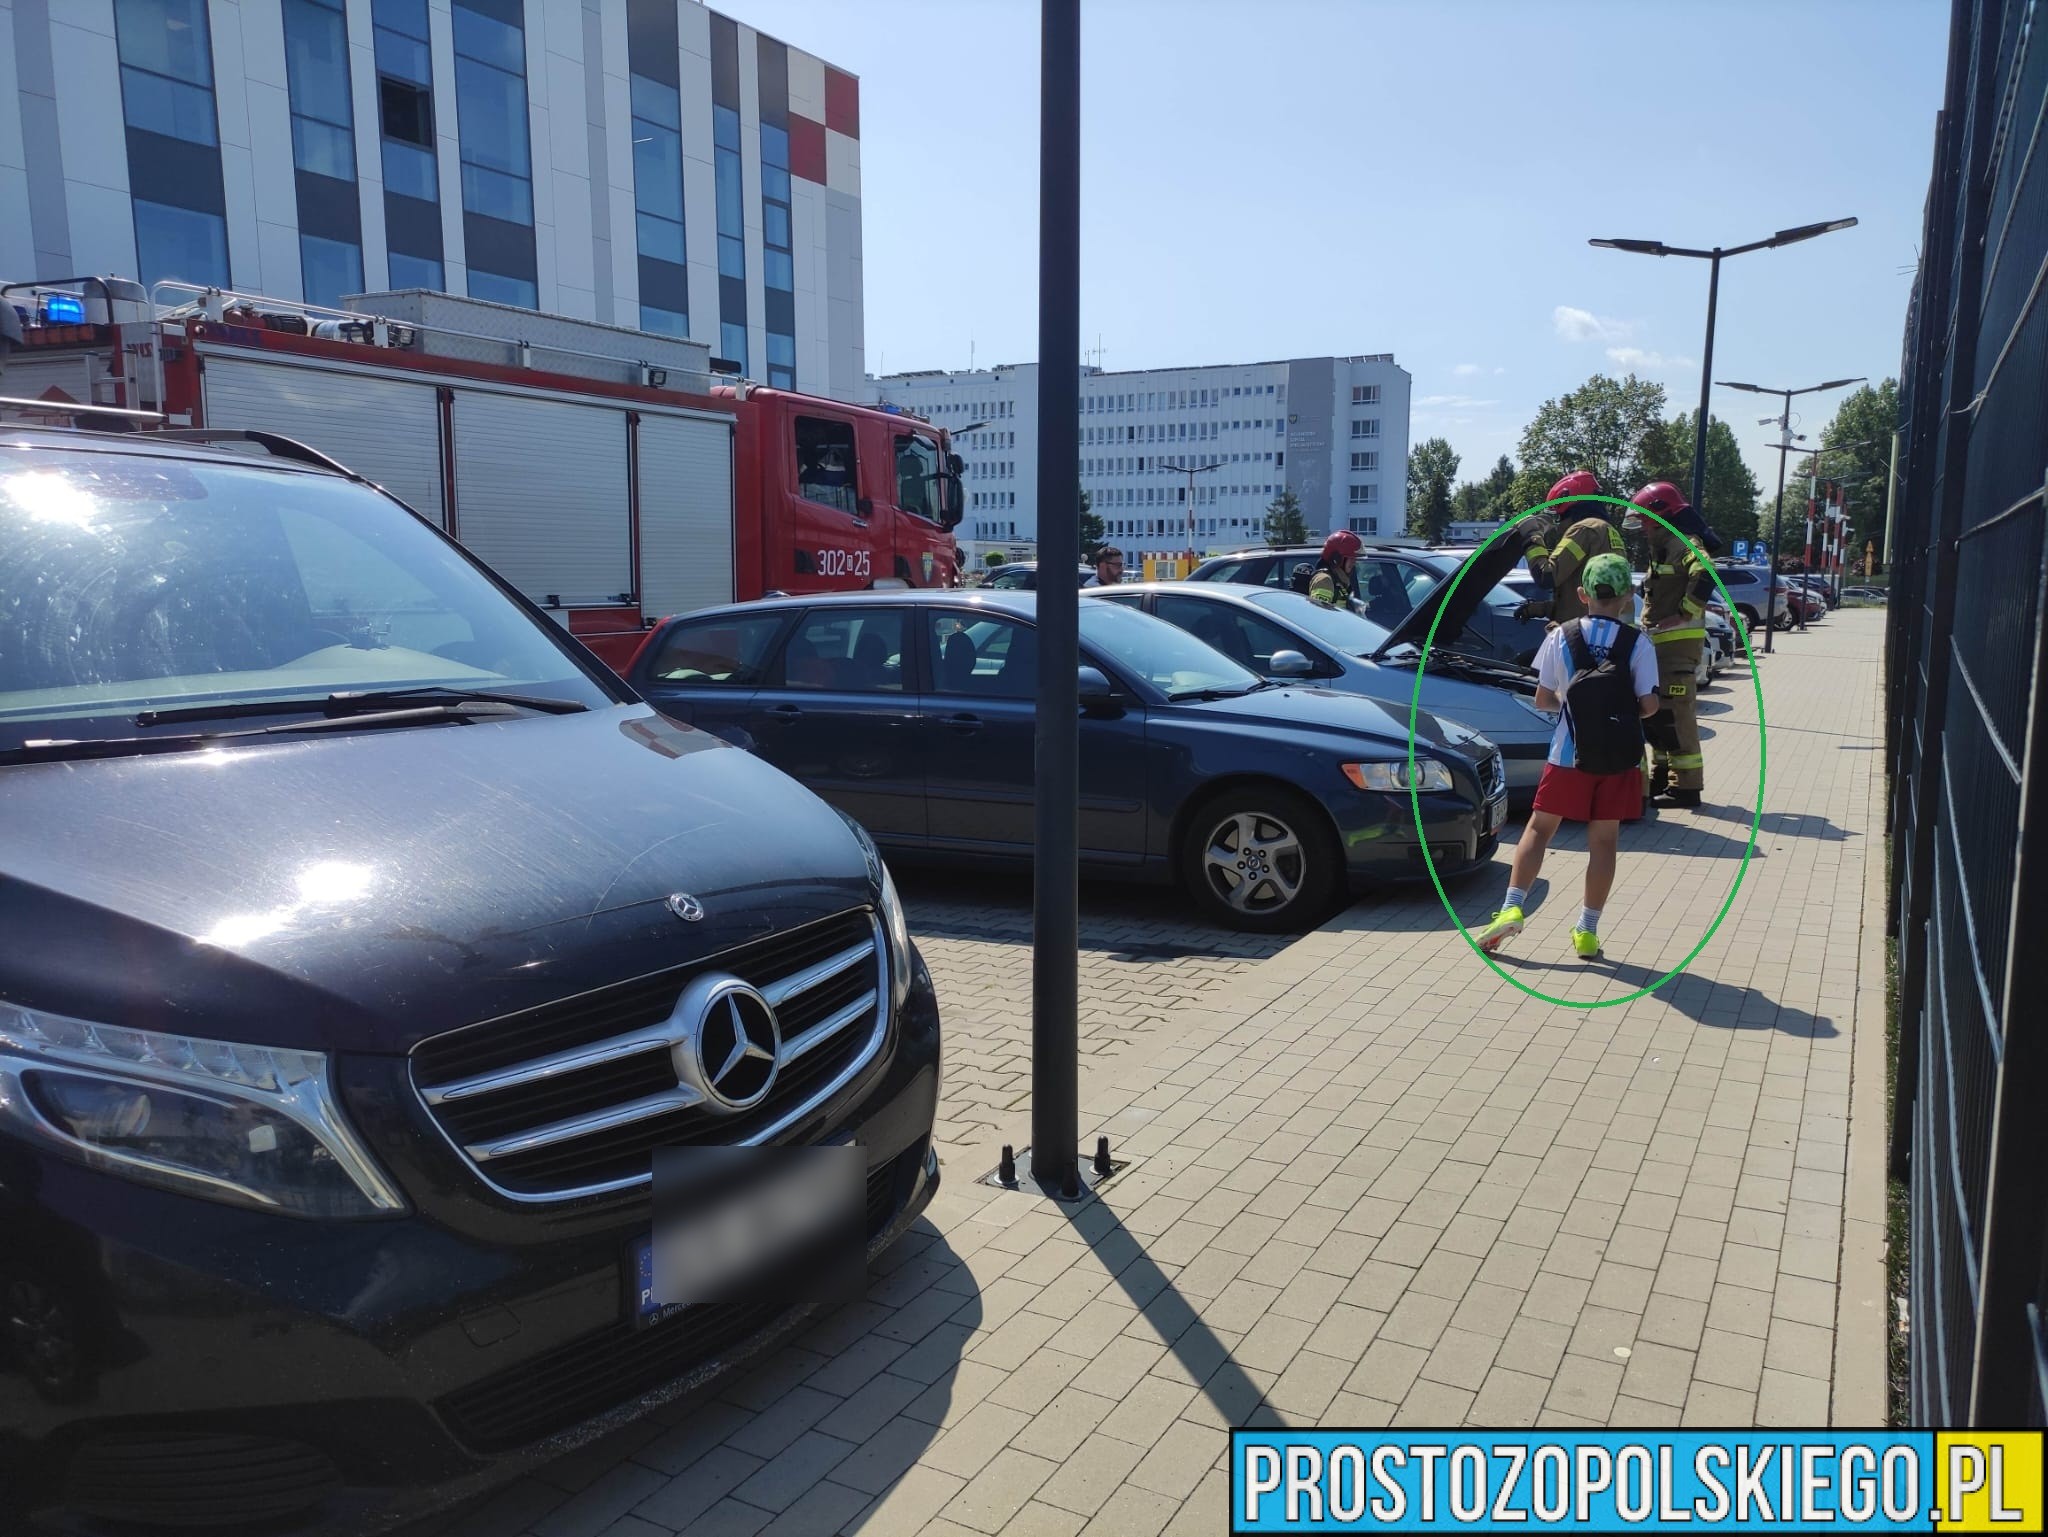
(495, 141)
(1365, 394)
(414, 271)
(182, 243)
(1365, 459)
(655, 90)
(1360, 494)
(1365, 427)
(166, 54)
(848, 650)
(330, 268)
(1365, 525)
(732, 343)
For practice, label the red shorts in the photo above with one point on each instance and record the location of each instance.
(1578, 796)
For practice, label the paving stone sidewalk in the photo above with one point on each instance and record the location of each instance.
(1374, 1183)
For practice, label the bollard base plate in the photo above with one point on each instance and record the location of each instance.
(1024, 1184)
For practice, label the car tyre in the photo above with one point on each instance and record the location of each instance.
(1261, 858)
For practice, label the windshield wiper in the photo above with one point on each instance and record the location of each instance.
(125, 746)
(352, 702)
(1192, 695)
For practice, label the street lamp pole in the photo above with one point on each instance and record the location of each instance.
(1784, 448)
(1713, 257)
(1191, 471)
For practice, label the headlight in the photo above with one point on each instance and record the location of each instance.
(250, 1125)
(1428, 774)
(898, 930)
(894, 925)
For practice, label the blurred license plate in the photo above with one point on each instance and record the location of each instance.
(1496, 813)
(645, 1309)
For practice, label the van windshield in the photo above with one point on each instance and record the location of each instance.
(130, 583)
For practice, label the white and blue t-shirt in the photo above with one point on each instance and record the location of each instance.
(1554, 666)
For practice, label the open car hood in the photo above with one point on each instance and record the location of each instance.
(1479, 576)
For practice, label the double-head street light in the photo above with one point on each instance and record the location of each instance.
(1714, 257)
(1784, 447)
(1191, 471)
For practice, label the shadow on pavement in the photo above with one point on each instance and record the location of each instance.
(1789, 824)
(1720, 1005)
(1238, 1400)
(996, 908)
(1659, 834)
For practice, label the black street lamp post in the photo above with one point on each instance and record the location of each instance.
(1714, 258)
(1784, 448)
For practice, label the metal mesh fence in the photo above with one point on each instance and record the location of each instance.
(1966, 735)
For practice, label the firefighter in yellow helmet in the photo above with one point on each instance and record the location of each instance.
(1675, 593)
(1589, 530)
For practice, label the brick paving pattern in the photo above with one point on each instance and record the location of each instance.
(1373, 1184)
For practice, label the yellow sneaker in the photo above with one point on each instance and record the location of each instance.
(1507, 923)
(1586, 944)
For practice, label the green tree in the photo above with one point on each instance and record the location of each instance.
(1858, 444)
(1094, 532)
(1285, 524)
(992, 558)
(1432, 469)
(1730, 490)
(1499, 488)
(1613, 427)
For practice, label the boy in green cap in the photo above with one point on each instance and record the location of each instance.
(1600, 674)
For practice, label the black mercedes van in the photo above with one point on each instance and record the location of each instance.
(362, 940)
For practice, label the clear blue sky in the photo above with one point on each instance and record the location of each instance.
(1304, 177)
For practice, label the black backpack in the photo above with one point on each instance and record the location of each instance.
(1600, 702)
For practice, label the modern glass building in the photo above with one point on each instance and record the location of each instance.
(645, 163)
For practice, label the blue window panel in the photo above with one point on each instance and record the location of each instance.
(407, 58)
(502, 290)
(732, 343)
(330, 268)
(410, 170)
(776, 270)
(781, 350)
(509, 198)
(732, 257)
(415, 271)
(167, 36)
(775, 224)
(665, 322)
(657, 169)
(782, 378)
(661, 238)
(169, 107)
(407, 16)
(478, 36)
(316, 61)
(775, 183)
(657, 101)
(491, 106)
(725, 128)
(323, 149)
(774, 145)
(180, 243)
(731, 204)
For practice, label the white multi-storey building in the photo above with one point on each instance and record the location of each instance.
(644, 163)
(1334, 431)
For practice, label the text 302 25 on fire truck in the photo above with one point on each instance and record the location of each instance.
(609, 474)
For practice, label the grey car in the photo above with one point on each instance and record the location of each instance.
(1282, 634)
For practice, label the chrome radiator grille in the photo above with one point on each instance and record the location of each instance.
(572, 1099)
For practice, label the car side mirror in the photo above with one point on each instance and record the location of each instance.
(1093, 686)
(1290, 664)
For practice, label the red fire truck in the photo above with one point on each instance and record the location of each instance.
(609, 474)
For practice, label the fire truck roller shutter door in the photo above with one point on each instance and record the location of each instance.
(386, 429)
(540, 486)
(686, 512)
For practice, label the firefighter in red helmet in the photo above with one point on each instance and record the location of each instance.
(1675, 593)
(1335, 582)
(1589, 530)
